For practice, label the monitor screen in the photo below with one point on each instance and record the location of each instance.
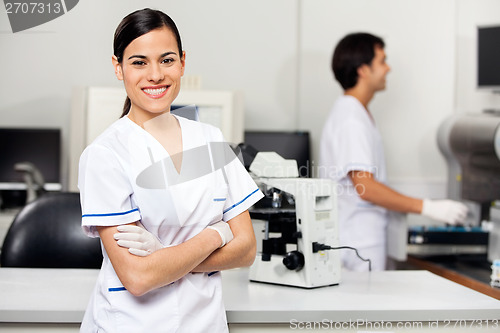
(186, 111)
(289, 145)
(41, 147)
(488, 57)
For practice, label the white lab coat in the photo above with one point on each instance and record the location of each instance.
(174, 207)
(350, 141)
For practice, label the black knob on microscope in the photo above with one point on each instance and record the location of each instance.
(294, 260)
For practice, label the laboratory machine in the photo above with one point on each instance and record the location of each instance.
(470, 144)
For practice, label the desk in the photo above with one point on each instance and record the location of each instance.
(32, 300)
(476, 277)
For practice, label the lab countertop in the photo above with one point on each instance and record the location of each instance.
(473, 266)
(376, 296)
(61, 296)
(473, 271)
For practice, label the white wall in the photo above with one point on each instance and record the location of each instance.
(278, 53)
(420, 50)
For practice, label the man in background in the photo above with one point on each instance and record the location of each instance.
(351, 153)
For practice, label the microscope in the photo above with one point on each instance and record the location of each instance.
(302, 212)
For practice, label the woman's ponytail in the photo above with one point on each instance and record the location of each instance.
(126, 107)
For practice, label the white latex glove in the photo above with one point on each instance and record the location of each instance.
(137, 239)
(224, 231)
(449, 211)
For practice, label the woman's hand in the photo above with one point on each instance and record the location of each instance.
(141, 274)
(224, 231)
(142, 243)
(240, 252)
(137, 239)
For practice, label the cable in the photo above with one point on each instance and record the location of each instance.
(321, 247)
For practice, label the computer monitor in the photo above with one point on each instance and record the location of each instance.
(186, 111)
(488, 58)
(41, 147)
(288, 144)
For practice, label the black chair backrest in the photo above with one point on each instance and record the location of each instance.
(47, 233)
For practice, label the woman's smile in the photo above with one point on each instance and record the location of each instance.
(155, 92)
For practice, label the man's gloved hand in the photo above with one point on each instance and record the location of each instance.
(224, 231)
(449, 211)
(137, 239)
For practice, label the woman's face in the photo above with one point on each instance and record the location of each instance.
(151, 71)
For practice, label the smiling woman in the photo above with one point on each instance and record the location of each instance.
(152, 62)
(151, 71)
(165, 237)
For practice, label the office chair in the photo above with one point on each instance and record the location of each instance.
(47, 233)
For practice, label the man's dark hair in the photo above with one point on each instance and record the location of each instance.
(350, 53)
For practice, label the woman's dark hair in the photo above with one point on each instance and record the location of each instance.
(350, 53)
(137, 24)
